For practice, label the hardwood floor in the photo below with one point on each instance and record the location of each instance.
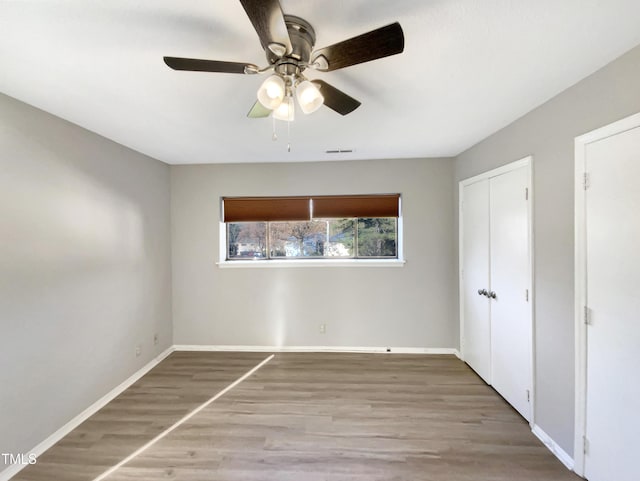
(306, 417)
(172, 389)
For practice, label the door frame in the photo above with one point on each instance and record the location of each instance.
(525, 162)
(580, 278)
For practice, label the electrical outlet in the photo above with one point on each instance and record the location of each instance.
(323, 328)
(138, 350)
(155, 339)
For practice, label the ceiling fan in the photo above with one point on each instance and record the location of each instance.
(288, 42)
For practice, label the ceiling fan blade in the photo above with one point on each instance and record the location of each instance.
(373, 45)
(336, 99)
(268, 20)
(258, 111)
(197, 65)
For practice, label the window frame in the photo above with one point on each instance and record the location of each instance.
(270, 262)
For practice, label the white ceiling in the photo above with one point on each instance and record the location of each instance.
(469, 68)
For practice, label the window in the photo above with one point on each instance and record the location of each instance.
(319, 227)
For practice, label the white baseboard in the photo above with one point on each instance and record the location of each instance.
(553, 447)
(38, 450)
(373, 350)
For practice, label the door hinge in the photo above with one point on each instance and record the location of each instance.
(587, 316)
(586, 180)
(526, 294)
(585, 445)
(528, 396)
(526, 193)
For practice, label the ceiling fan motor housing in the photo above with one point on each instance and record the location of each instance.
(303, 39)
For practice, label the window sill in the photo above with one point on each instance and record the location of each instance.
(311, 263)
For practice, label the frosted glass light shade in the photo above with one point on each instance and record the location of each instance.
(286, 110)
(271, 92)
(309, 97)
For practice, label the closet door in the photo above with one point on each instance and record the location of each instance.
(613, 283)
(510, 311)
(475, 277)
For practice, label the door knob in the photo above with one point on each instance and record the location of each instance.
(482, 292)
(492, 295)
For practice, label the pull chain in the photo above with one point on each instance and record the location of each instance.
(274, 137)
(289, 136)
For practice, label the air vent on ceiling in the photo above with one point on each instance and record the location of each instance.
(339, 151)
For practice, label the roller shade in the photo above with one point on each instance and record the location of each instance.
(257, 209)
(342, 206)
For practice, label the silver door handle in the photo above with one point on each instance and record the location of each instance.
(492, 295)
(482, 292)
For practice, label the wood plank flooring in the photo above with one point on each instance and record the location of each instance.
(306, 417)
(175, 387)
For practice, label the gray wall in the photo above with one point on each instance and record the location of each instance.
(411, 306)
(84, 270)
(548, 134)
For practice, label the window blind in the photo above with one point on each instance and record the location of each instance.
(262, 209)
(343, 206)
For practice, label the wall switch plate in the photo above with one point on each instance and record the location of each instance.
(138, 350)
(323, 328)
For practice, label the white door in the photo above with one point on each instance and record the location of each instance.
(511, 328)
(612, 216)
(475, 277)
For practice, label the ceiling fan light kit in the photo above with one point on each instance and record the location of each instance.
(288, 43)
(286, 110)
(309, 97)
(271, 92)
